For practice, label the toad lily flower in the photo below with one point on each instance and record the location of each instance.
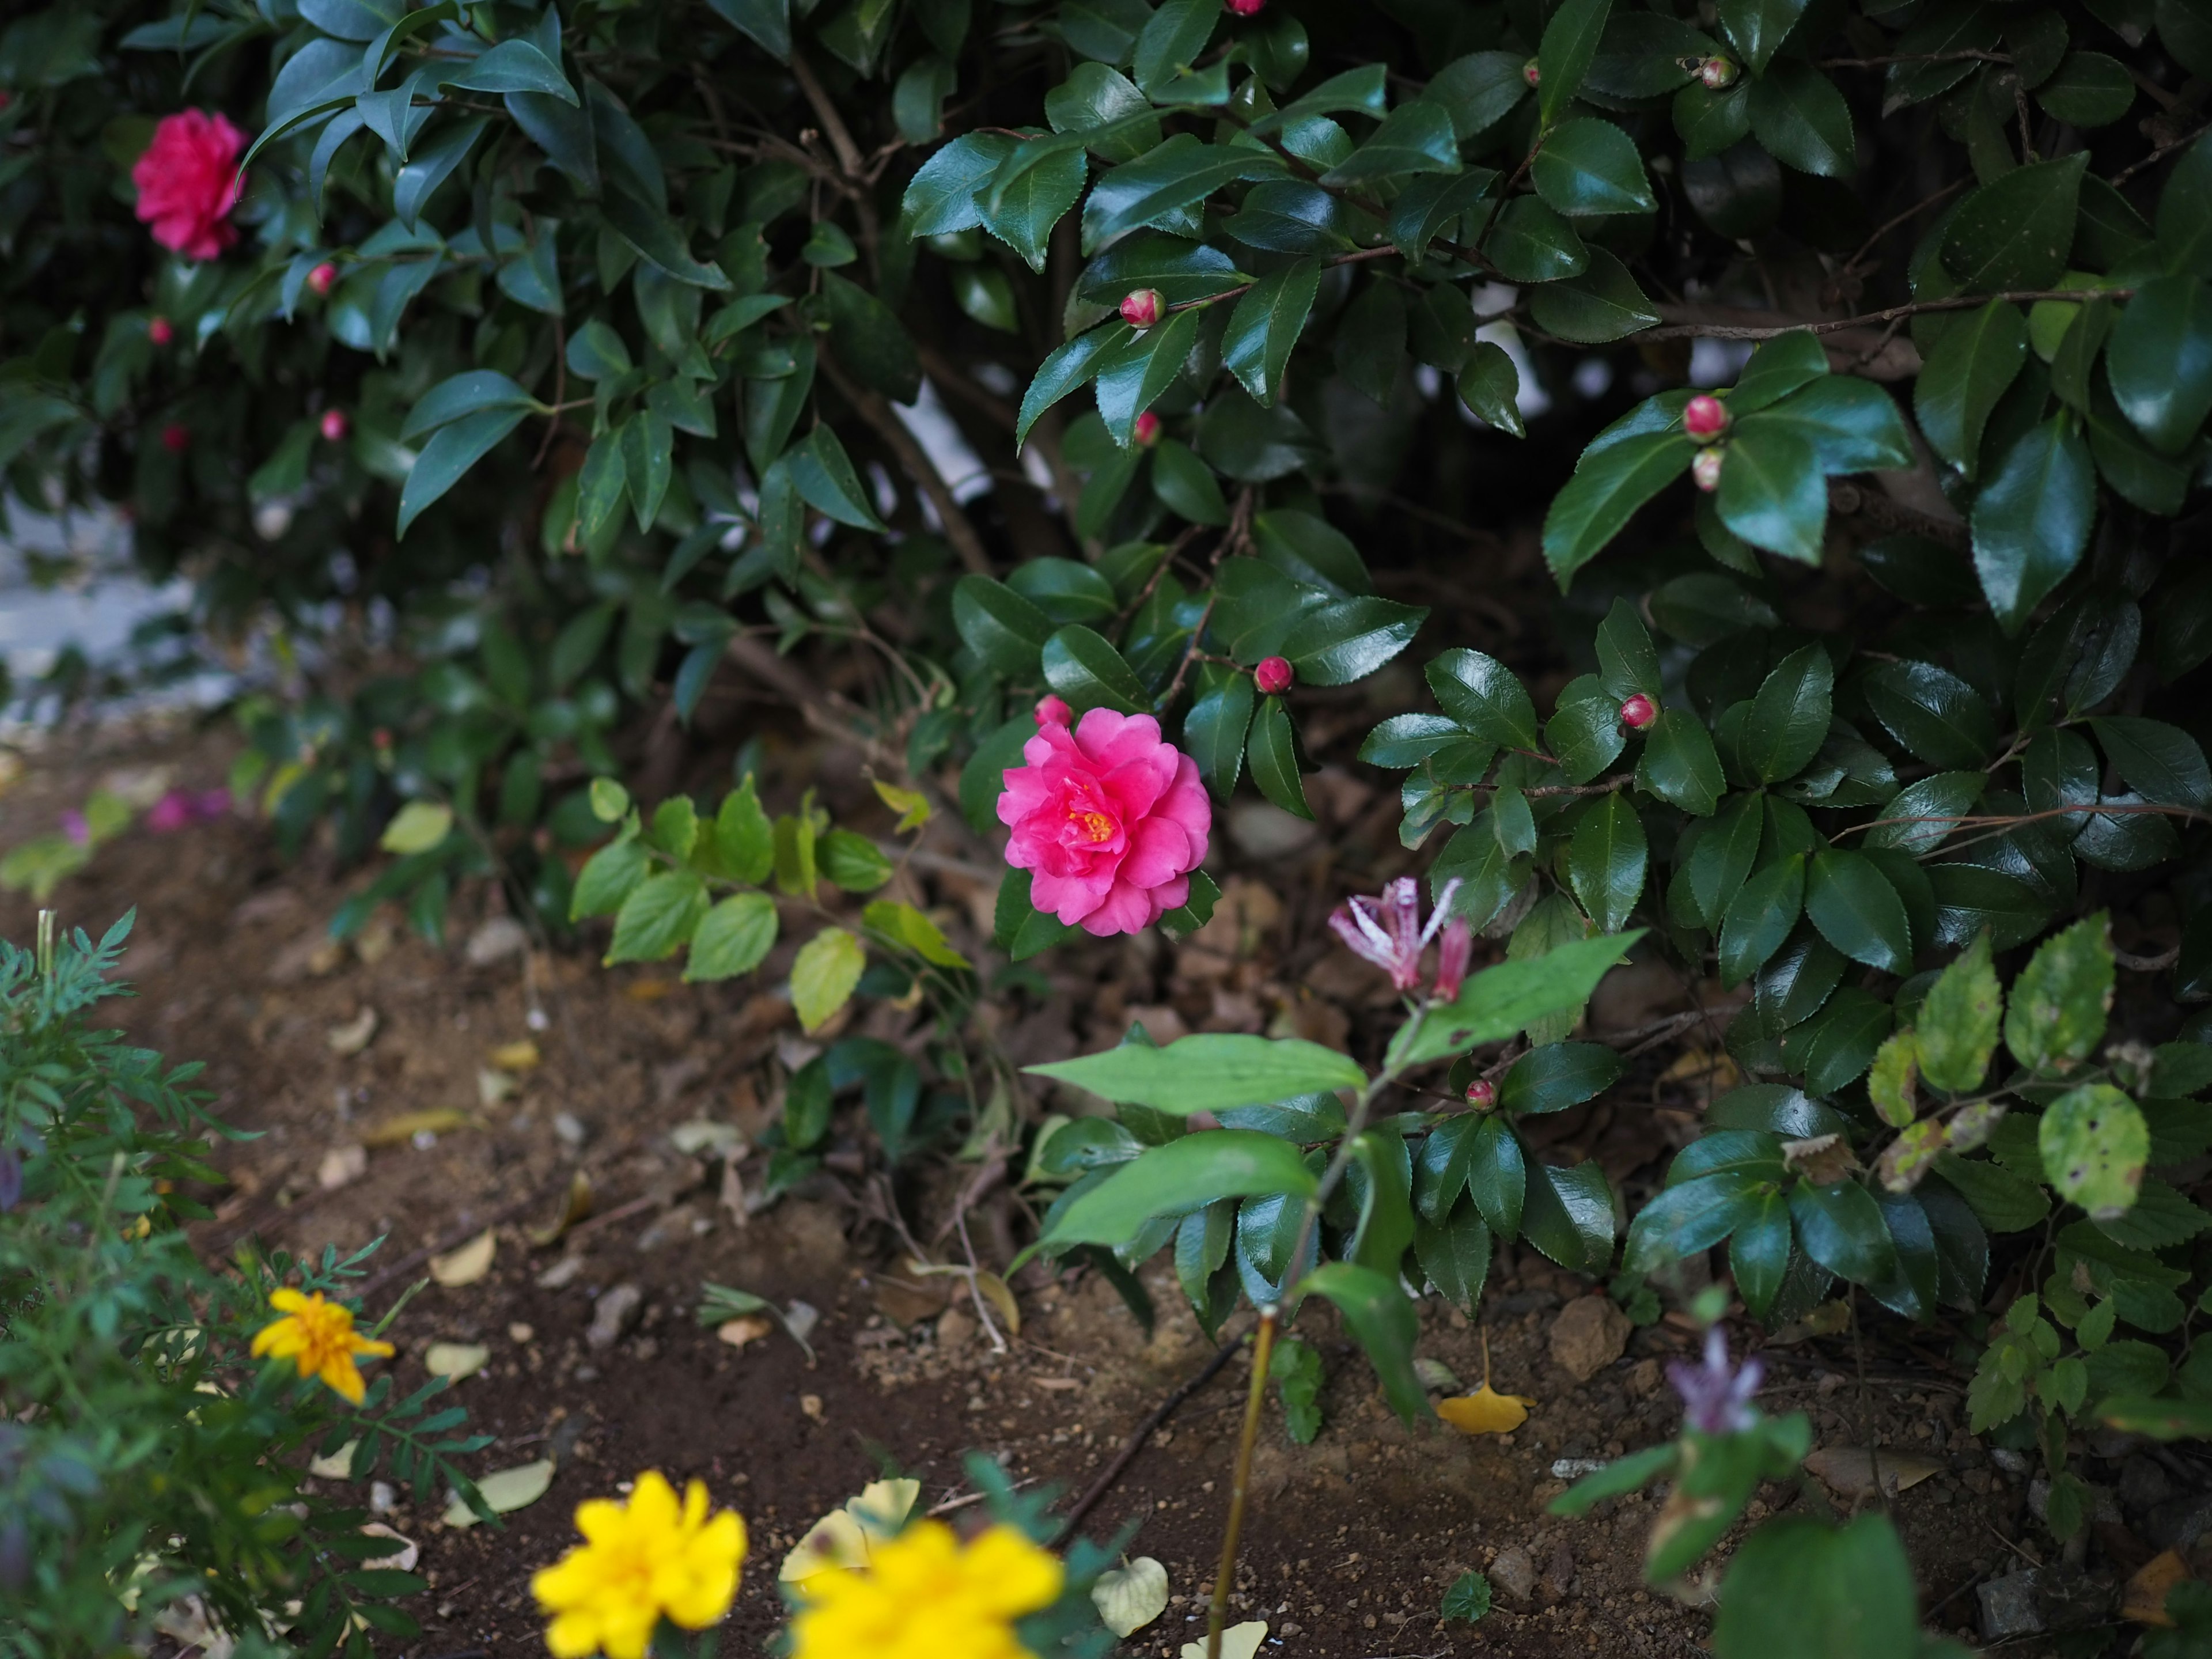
(1717, 1395)
(1387, 932)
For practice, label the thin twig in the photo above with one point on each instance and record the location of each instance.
(1137, 1442)
(1955, 302)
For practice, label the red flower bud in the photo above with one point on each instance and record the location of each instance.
(1705, 416)
(1142, 308)
(380, 738)
(160, 330)
(1707, 469)
(324, 277)
(1247, 7)
(1638, 712)
(175, 437)
(334, 425)
(1273, 676)
(1482, 1094)
(1051, 711)
(1148, 430)
(1530, 73)
(1716, 73)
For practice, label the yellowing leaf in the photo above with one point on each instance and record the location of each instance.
(1237, 1642)
(911, 805)
(833, 1541)
(906, 926)
(416, 827)
(338, 1466)
(468, 1264)
(883, 1506)
(822, 975)
(1486, 1411)
(508, 1490)
(1129, 1598)
(396, 1131)
(456, 1360)
(521, 1056)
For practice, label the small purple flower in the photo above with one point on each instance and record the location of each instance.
(76, 826)
(1717, 1395)
(1387, 932)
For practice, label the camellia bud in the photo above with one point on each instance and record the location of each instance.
(1705, 469)
(1247, 7)
(1482, 1094)
(175, 437)
(1141, 309)
(1148, 430)
(1273, 676)
(324, 277)
(1529, 72)
(1705, 416)
(334, 425)
(160, 330)
(380, 738)
(1638, 712)
(1052, 711)
(1716, 73)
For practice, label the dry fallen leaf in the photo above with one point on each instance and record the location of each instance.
(1129, 1598)
(648, 990)
(840, 1537)
(456, 1360)
(1848, 1472)
(1237, 1642)
(398, 1131)
(1825, 1320)
(573, 1208)
(508, 1490)
(738, 1332)
(1436, 1376)
(492, 1087)
(703, 1135)
(1823, 1160)
(2143, 1602)
(1486, 1411)
(466, 1265)
(354, 1036)
(341, 1165)
(336, 1467)
(402, 1560)
(521, 1056)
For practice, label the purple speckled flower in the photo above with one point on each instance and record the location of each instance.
(76, 826)
(1387, 932)
(1717, 1395)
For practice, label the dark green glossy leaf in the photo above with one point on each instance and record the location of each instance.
(1760, 917)
(1772, 494)
(1975, 359)
(1801, 120)
(1604, 493)
(1587, 167)
(1933, 713)
(1601, 305)
(1788, 717)
(1606, 860)
(2016, 232)
(1857, 911)
(2031, 523)
(2160, 359)
(1680, 764)
(1274, 758)
(1265, 326)
(1082, 667)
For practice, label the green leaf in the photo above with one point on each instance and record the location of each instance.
(1468, 1598)
(1171, 41)
(999, 626)
(1370, 341)
(1799, 1586)
(906, 926)
(1486, 697)
(1788, 717)
(1757, 27)
(1496, 1176)
(2160, 360)
(2030, 524)
(607, 879)
(1600, 305)
(1771, 492)
(2088, 89)
(648, 462)
(768, 22)
(1852, 1029)
(1022, 208)
(657, 917)
(1068, 368)
(824, 475)
(1956, 1030)
(1416, 138)
(2184, 212)
(1499, 1001)
(734, 938)
(1759, 1252)
(2016, 232)
(1384, 1320)
(1568, 1216)
(1491, 385)
(1857, 911)
(1213, 732)
(1563, 55)
(1760, 917)
(452, 451)
(656, 237)
(871, 342)
(1841, 1228)
(824, 975)
(1606, 488)
(513, 66)
(1265, 326)
(1083, 668)
(1852, 425)
(1801, 120)
(1690, 1218)
(1531, 243)
(1606, 860)
(1208, 1072)
(1348, 639)
(1587, 167)
(417, 827)
(1557, 1075)
(461, 394)
(1157, 187)
(1714, 866)
(2060, 1000)
(1584, 731)
(1933, 713)
(2094, 1144)
(1133, 378)
(1274, 755)
(2161, 762)
(1680, 764)
(853, 862)
(1974, 362)
(1184, 1175)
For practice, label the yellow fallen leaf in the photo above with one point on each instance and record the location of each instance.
(648, 990)
(508, 1490)
(353, 1037)
(738, 1332)
(573, 1208)
(1486, 1411)
(1237, 1642)
(840, 1537)
(883, 1506)
(456, 1360)
(336, 1467)
(521, 1056)
(2143, 1602)
(398, 1131)
(466, 1265)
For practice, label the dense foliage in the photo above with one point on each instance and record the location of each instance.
(576, 360)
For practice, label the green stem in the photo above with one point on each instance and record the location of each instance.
(1263, 1349)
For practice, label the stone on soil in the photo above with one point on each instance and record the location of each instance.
(1590, 1334)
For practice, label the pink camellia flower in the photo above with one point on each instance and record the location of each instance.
(1247, 7)
(188, 182)
(1110, 818)
(1387, 932)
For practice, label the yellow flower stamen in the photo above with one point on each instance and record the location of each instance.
(1097, 825)
(640, 1562)
(318, 1335)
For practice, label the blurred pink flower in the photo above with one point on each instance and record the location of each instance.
(181, 808)
(187, 181)
(1110, 818)
(77, 828)
(1387, 932)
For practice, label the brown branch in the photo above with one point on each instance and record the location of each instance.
(2002, 821)
(1956, 302)
(876, 409)
(1967, 55)
(1138, 1441)
(2159, 155)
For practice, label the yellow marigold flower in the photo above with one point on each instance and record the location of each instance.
(320, 1336)
(639, 1562)
(924, 1596)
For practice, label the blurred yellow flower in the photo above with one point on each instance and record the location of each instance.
(639, 1562)
(924, 1595)
(319, 1337)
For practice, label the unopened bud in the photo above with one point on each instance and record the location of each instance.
(1530, 73)
(1052, 711)
(1247, 7)
(1705, 469)
(1716, 73)
(334, 425)
(1482, 1094)
(1638, 712)
(1142, 308)
(1705, 416)
(1273, 676)
(176, 437)
(324, 277)
(160, 330)
(1148, 430)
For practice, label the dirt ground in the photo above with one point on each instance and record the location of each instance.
(1353, 1540)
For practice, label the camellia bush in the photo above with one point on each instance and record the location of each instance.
(1067, 405)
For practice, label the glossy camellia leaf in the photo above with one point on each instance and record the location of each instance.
(1933, 713)
(1587, 167)
(1585, 731)
(1531, 243)
(1841, 1227)
(1922, 817)
(452, 451)
(1605, 492)
(1801, 120)
(1484, 696)
(1568, 1215)
(1606, 860)
(1415, 138)
(1067, 368)
(2094, 1144)
(1272, 749)
(2016, 232)
(1680, 764)
(1978, 357)
(2160, 359)
(1385, 1323)
(1788, 717)
(1719, 860)
(1852, 425)
(1491, 385)
(824, 475)
(1183, 1175)
(2162, 762)
(1131, 380)
(1692, 1217)
(1213, 732)
(1852, 1584)
(1348, 639)
(1563, 55)
(1756, 28)
(1083, 667)
(1600, 305)
(1857, 911)
(1760, 917)
(2031, 522)
(1557, 1075)
(1772, 494)
(1265, 326)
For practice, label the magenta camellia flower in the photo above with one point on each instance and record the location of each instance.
(1387, 932)
(187, 181)
(1108, 817)
(1717, 1395)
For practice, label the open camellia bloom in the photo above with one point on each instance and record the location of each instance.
(640, 1562)
(187, 181)
(924, 1595)
(1108, 816)
(318, 1335)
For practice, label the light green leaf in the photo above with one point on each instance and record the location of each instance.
(1184, 1175)
(1956, 1031)
(2060, 1000)
(822, 975)
(732, 938)
(657, 917)
(1499, 1001)
(2095, 1145)
(1210, 1073)
(417, 827)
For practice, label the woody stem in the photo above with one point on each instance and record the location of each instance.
(1263, 1348)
